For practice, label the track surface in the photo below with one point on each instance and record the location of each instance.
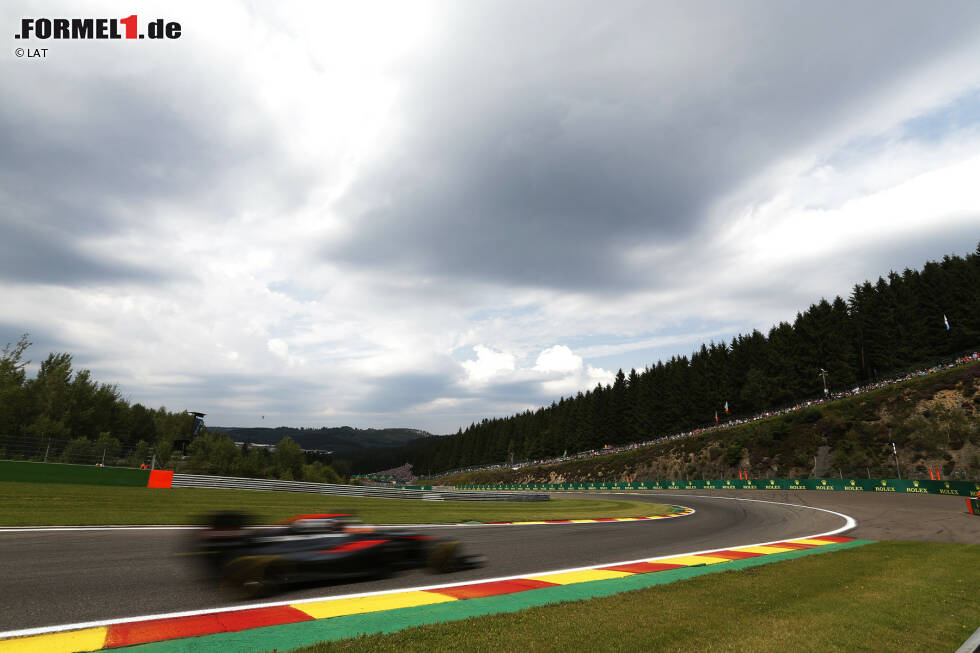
(881, 516)
(62, 577)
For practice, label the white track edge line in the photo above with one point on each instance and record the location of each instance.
(43, 529)
(849, 524)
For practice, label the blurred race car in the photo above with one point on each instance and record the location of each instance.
(311, 549)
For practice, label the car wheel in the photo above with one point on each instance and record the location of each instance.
(442, 558)
(249, 576)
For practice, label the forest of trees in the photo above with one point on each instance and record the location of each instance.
(885, 327)
(64, 416)
(215, 453)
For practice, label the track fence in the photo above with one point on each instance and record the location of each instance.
(425, 494)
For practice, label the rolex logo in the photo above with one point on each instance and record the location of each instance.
(915, 483)
(852, 482)
(823, 482)
(947, 485)
(884, 482)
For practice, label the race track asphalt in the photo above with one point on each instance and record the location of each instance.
(60, 577)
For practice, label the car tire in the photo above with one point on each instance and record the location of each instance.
(442, 558)
(250, 577)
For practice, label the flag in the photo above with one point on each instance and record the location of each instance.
(945, 321)
(716, 415)
(726, 407)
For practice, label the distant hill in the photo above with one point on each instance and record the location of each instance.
(344, 441)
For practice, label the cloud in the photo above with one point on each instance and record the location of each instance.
(594, 130)
(31, 253)
(556, 371)
(487, 365)
(98, 169)
(558, 359)
(424, 214)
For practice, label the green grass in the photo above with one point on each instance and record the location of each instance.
(887, 596)
(44, 504)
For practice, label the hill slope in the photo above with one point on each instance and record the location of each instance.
(907, 321)
(934, 421)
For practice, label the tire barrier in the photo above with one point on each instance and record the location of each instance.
(952, 488)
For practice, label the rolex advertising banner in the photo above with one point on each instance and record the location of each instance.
(953, 488)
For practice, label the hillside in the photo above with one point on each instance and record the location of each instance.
(343, 440)
(906, 321)
(933, 420)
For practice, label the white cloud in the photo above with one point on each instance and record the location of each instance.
(902, 191)
(557, 371)
(489, 364)
(558, 359)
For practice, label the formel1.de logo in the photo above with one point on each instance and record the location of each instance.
(80, 29)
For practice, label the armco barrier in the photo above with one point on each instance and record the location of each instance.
(32, 472)
(953, 488)
(232, 483)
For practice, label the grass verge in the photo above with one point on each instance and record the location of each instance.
(44, 504)
(887, 596)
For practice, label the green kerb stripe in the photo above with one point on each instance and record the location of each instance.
(307, 633)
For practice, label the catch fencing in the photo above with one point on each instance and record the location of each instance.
(423, 493)
(36, 472)
(105, 452)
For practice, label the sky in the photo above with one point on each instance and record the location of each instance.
(423, 214)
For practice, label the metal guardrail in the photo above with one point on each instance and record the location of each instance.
(233, 483)
(458, 495)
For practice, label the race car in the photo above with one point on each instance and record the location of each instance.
(313, 549)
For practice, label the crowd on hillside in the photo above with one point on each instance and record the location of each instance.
(939, 367)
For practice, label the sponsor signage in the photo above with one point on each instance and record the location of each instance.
(952, 488)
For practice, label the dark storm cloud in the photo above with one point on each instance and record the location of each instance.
(542, 139)
(400, 392)
(33, 253)
(263, 394)
(119, 159)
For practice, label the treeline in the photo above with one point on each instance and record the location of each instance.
(342, 440)
(64, 416)
(851, 437)
(894, 324)
(215, 453)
